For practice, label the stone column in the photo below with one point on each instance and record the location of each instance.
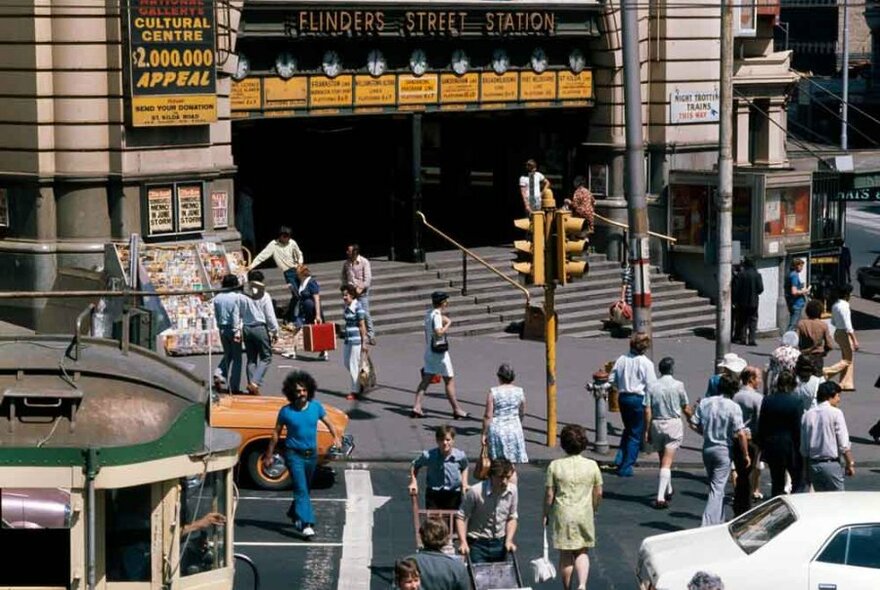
(741, 139)
(776, 154)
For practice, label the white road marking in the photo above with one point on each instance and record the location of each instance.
(357, 534)
(273, 499)
(285, 544)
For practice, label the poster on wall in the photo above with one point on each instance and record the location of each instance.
(160, 210)
(171, 62)
(189, 207)
(220, 209)
(694, 106)
(4, 207)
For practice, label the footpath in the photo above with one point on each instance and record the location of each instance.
(384, 431)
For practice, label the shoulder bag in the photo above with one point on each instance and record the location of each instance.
(439, 343)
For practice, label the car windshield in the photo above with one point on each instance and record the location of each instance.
(758, 527)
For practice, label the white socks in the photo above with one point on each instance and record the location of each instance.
(665, 486)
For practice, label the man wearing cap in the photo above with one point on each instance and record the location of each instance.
(731, 364)
(436, 360)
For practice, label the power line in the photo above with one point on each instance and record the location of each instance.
(852, 106)
(848, 124)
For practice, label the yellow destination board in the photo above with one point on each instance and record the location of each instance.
(495, 88)
(534, 86)
(575, 86)
(417, 90)
(455, 88)
(278, 93)
(246, 95)
(168, 111)
(370, 91)
(330, 92)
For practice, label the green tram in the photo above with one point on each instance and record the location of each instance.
(111, 478)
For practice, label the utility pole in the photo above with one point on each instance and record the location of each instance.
(637, 204)
(844, 107)
(548, 205)
(725, 184)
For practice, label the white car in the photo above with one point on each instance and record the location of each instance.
(821, 541)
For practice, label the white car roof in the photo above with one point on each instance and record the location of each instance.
(836, 508)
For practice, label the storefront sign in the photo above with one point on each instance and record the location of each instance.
(575, 86)
(189, 207)
(160, 210)
(459, 89)
(534, 86)
(246, 95)
(220, 209)
(283, 94)
(495, 88)
(370, 91)
(4, 207)
(417, 90)
(172, 69)
(868, 193)
(696, 106)
(330, 92)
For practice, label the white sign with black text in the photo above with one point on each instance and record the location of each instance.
(693, 106)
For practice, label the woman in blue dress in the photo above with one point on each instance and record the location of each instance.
(502, 420)
(300, 418)
(305, 305)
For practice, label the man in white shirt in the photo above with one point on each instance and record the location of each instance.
(631, 375)
(356, 271)
(284, 251)
(845, 336)
(530, 187)
(824, 438)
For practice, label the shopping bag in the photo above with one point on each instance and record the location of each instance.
(620, 313)
(366, 374)
(483, 463)
(543, 569)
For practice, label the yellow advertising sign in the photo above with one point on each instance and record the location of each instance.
(168, 111)
(330, 92)
(246, 95)
(374, 91)
(495, 88)
(575, 86)
(417, 90)
(455, 88)
(534, 86)
(285, 93)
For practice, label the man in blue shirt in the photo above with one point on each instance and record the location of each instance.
(227, 313)
(796, 294)
(446, 478)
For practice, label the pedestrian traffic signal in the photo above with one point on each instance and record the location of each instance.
(530, 253)
(567, 245)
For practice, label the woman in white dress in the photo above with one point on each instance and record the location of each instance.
(502, 420)
(436, 360)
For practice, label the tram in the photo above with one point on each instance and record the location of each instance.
(111, 478)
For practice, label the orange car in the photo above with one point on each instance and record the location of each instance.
(253, 418)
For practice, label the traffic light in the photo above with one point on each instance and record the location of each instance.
(565, 247)
(530, 253)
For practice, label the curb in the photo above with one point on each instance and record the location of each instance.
(641, 465)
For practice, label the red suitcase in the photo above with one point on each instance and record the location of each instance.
(319, 337)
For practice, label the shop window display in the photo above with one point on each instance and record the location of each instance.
(787, 212)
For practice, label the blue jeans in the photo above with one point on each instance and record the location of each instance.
(794, 317)
(230, 364)
(301, 470)
(486, 550)
(364, 300)
(632, 410)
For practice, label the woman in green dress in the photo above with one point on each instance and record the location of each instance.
(573, 492)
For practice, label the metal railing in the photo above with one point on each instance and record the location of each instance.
(625, 228)
(465, 252)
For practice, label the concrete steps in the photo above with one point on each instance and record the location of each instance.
(401, 295)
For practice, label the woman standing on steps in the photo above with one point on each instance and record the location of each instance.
(436, 359)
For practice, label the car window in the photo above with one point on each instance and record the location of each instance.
(753, 530)
(835, 551)
(864, 547)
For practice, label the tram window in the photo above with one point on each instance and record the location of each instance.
(35, 521)
(203, 507)
(128, 513)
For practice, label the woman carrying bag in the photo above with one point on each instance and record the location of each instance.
(572, 494)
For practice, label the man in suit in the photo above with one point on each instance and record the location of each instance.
(779, 434)
(747, 288)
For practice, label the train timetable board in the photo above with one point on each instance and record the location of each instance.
(330, 92)
(171, 62)
(459, 89)
(575, 86)
(278, 93)
(372, 91)
(499, 88)
(534, 86)
(422, 89)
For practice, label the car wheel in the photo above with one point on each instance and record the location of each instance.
(274, 477)
(866, 292)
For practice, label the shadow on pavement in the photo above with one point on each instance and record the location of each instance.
(662, 525)
(697, 495)
(864, 321)
(686, 515)
(382, 573)
(633, 498)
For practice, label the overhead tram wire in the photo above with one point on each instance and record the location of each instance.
(848, 124)
(840, 98)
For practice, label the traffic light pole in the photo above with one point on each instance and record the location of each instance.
(550, 348)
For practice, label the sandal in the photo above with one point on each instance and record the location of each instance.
(415, 414)
(464, 416)
(660, 504)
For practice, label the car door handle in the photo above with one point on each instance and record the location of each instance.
(827, 586)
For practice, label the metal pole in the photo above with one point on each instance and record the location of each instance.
(725, 184)
(637, 204)
(550, 334)
(844, 106)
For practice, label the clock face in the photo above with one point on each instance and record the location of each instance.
(285, 65)
(418, 62)
(460, 62)
(539, 60)
(576, 61)
(500, 61)
(242, 69)
(331, 64)
(376, 63)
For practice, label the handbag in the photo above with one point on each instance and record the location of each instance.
(366, 374)
(439, 343)
(481, 468)
(543, 569)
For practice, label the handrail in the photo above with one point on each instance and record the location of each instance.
(89, 312)
(625, 226)
(475, 257)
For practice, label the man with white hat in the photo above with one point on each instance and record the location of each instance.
(731, 364)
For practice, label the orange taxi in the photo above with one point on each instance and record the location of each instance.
(253, 418)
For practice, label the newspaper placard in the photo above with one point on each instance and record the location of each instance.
(189, 207)
(160, 210)
(220, 209)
